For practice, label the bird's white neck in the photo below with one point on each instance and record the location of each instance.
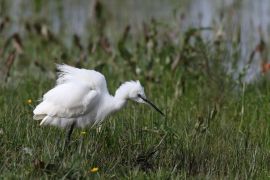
(114, 103)
(122, 93)
(121, 96)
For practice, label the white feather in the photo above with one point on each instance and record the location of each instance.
(81, 97)
(91, 78)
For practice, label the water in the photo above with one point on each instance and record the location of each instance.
(68, 17)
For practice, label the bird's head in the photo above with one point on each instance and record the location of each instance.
(136, 91)
(133, 90)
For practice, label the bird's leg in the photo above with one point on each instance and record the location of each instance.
(69, 132)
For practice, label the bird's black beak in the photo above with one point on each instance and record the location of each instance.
(151, 104)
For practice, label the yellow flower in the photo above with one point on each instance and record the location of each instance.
(83, 133)
(94, 170)
(29, 101)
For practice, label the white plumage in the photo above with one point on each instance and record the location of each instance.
(81, 98)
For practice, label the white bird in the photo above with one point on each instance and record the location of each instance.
(81, 98)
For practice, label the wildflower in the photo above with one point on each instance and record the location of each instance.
(29, 101)
(83, 133)
(94, 170)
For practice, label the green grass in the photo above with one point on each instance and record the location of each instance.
(215, 127)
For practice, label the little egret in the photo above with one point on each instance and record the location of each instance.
(81, 98)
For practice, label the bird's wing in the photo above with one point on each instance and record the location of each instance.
(68, 100)
(90, 78)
